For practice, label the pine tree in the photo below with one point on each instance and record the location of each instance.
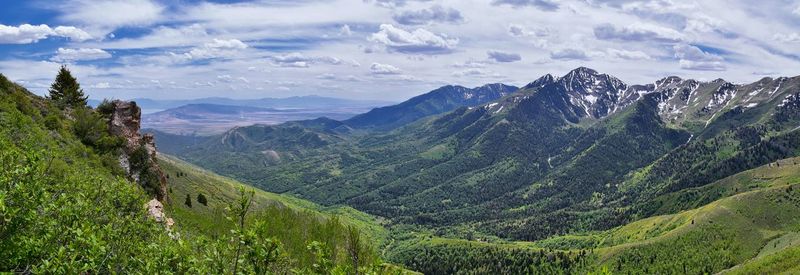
(66, 91)
(188, 201)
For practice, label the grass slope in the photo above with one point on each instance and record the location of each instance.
(221, 191)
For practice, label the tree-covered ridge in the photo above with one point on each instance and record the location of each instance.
(66, 206)
(751, 229)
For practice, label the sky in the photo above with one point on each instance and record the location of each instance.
(385, 49)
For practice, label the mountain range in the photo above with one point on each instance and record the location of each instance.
(578, 174)
(580, 152)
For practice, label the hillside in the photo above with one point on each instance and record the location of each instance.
(438, 101)
(74, 200)
(186, 179)
(753, 229)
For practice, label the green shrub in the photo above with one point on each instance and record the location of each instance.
(202, 199)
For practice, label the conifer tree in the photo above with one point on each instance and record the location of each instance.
(66, 91)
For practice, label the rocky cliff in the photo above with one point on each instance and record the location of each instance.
(138, 157)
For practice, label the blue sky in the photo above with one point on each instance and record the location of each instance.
(385, 49)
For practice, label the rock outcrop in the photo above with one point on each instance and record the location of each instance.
(138, 157)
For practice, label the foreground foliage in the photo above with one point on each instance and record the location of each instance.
(66, 208)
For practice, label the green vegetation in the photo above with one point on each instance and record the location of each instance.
(66, 207)
(66, 91)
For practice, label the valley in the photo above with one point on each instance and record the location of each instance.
(400, 137)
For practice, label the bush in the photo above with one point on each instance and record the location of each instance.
(92, 130)
(202, 199)
(105, 109)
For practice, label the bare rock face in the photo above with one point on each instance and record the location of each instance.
(155, 210)
(125, 122)
(138, 158)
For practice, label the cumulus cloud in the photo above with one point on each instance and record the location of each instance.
(503, 56)
(545, 5)
(420, 41)
(384, 69)
(26, 33)
(628, 55)
(637, 32)
(693, 58)
(68, 55)
(436, 13)
(298, 60)
(569, 54)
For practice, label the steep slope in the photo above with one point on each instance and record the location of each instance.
(434, 102)
(69, 206)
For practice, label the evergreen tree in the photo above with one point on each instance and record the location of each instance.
(188, 201)
(66, 91)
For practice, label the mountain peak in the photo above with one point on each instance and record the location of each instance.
(541, 82)
(582, 72)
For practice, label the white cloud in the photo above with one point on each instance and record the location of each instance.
(433, 14)
(637, 32)
(110, 14)
(299, 60)
(503, 57)
(522, 31)
(787, 37)
(101, 85)
(693, 58)
(162, 36)
(80, 54)
(628, 55)
(420, 41)
(796, 11)
(72, 33)
(26, 33)
(384, 69)
(219, 48)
